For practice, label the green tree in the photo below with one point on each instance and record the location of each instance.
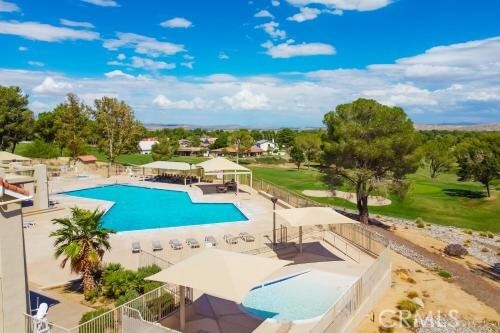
(221, 140)
(45, 127)
(71, 120)
(438, 154)
(242, 140)
(118, 130)
(367, 142)
(16, 120)
(479, 159)
(285, 137)
(164, 149)
(81, 240)
(297, 155)
(310, 143)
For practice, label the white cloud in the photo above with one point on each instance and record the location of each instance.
(359, 5)
(78, 24)
(8, 7)
(44, 32)
(138, 62)
(51, 86)
(223, 56)
(264, 13)
(177, 22)
(36, 63)
(289, 50)
(305, 14)
(22, 48)
(188, 57)
(118, 74)
(275, 3)
(247, 100)
(143, 44)
(103, 3)
(271, 28)
(402, 94)
(121, 56)
(165, 103)
(188, 64)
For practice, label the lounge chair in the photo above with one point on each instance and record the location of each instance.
(40, 323)
(28, 224)
(210, 241)
(175, 244)
(192, 243)
(136, 247)
(247, 237)
(156, 245)
(221, 189)
(230, 239)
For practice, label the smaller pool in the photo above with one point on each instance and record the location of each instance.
(301, 296)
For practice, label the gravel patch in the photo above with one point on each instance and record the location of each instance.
(445, 324)
(413, 255)
(483, 248)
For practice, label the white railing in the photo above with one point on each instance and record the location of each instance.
(132, 321)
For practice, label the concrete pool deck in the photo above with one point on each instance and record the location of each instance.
(44, 270)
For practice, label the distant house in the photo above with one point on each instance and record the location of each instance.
(184, 143)
(87, 159)
(191, 151)
(207, 141)
(254, 151)
(232, 151)
(266, 145)
(146, 144)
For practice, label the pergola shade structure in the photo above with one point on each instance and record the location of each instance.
(178, 167)
(310, 216)
(223, 274)
(221, 165)
(6, 157)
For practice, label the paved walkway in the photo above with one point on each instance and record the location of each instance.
(467, 280)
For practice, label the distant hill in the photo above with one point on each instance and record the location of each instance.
(493, 127)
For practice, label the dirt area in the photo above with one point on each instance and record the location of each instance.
(436, 292)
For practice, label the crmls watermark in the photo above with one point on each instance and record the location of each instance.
(407, 319)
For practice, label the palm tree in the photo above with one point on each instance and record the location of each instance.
(82, 240)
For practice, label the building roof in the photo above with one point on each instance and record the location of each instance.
(263, 141)
(224, 274)
(297, 217)
(87, 158)
(254, 149)
(166, 165)
(190, 149)
(12, 190)
(221, 164)
(5, 156)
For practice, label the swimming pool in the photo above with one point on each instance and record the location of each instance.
(138, 208)
(302, 296)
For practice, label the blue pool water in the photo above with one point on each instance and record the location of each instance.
(303, 296)
(138, 208)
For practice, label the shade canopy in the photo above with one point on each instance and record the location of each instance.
(166, 165)
(221, 165)
(309, 216)
(5, 156)
(224, 274)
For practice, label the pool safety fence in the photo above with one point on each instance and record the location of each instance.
(142, 314)
(292, 198)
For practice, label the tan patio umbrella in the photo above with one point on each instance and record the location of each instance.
(310, 216)
(5, 156)
(224, 274)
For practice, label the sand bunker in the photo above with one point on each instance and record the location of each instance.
(372, 200)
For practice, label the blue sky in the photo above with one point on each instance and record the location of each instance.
(258, 63)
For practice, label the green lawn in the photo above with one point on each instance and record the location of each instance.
(443, 200)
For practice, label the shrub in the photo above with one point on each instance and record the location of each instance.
(160, 304)
(116, 281)
(383, 329)
(485, 249)
(444, 274)
(483, 234)
(408, 305)
(92, 295)
(409, 321)
(145, 286)
(400, 188)
(468, 231)
(100, 326)
(128, 296)
(489, 234)
(41, 149)
(419, 222)
(412, 294)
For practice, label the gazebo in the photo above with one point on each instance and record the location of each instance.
(311, 216)
(221, 165)
(223, 274)
(6, 157)
(180, 167)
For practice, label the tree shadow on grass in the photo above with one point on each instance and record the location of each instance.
(453, 192)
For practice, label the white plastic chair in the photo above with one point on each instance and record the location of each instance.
(40, 323)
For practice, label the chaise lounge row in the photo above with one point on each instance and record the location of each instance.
(191, 242)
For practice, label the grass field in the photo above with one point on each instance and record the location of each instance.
(443, 200)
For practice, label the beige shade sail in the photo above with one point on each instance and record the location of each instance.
(309, 216)
(224, 274)
(220, 165)
(5, 156)
(166, 165)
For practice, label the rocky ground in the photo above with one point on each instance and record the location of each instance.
(450, 325)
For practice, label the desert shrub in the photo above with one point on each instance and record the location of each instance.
(145, 286)
(467, 242)
(419, 222)
(468, 231)
(489, 234)
(483, 234)
(383, 329)
(408, 305)
(116, 281)
(100, 326)
(160, 304)
(425, 294)
(444, 274)
(412, 294)
(485, 249)
(92, 295)
(128, 296)
(409, 321)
